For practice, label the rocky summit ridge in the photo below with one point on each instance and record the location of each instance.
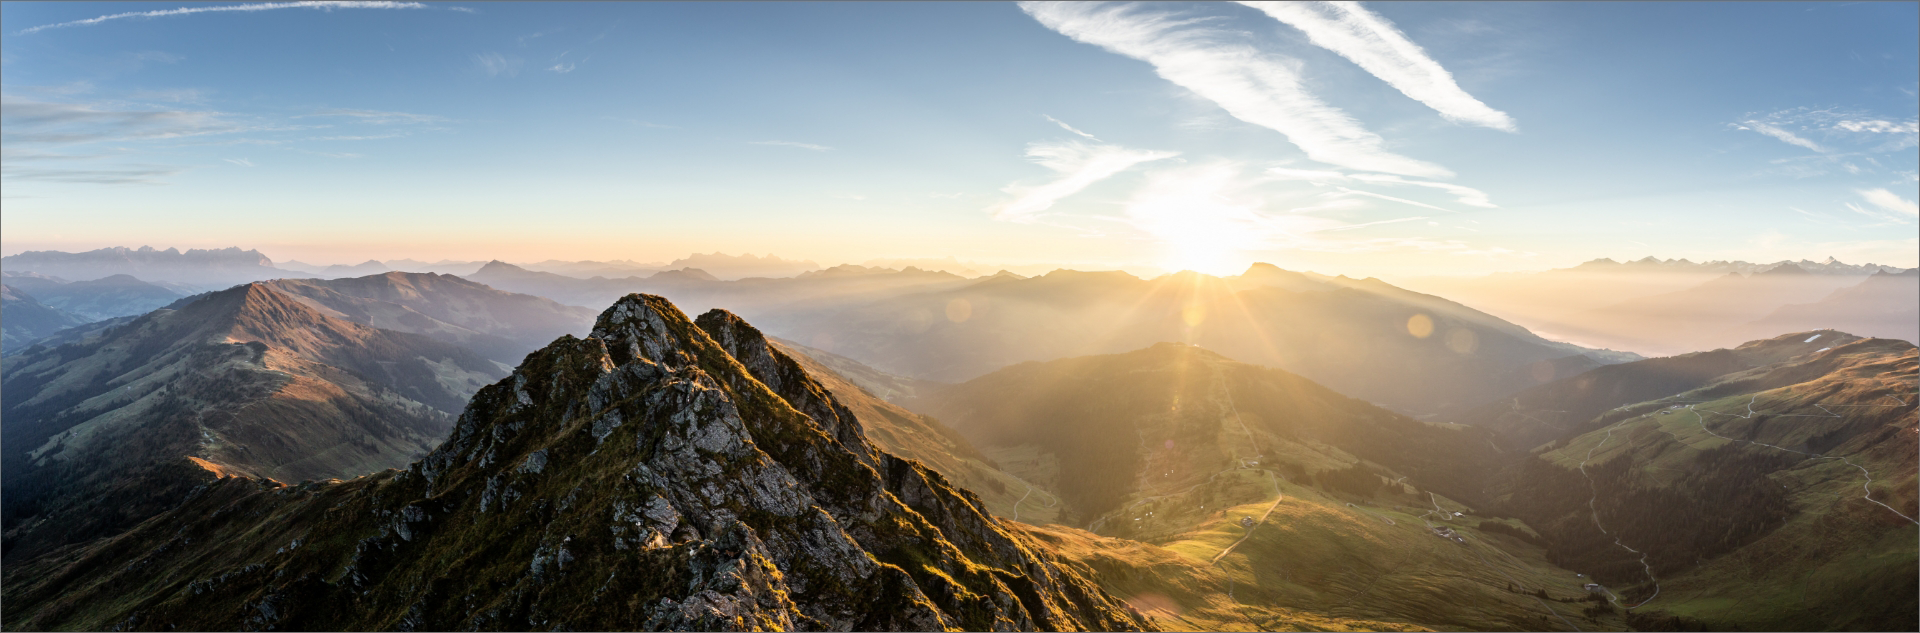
(660, 473)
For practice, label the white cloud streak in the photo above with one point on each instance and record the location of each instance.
(1253, 86)
(1363, 225)
(1465, 195)
(1370, 41)
(1880, 127)
(817, 148)
(261, 6)
(1890, 201)
(1783, 135)
(1063, 125)
(1405, 201)
(1080, 164)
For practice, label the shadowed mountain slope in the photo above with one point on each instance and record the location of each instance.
(24, 319)
(659, 474)
(104, 298)
(101, 433)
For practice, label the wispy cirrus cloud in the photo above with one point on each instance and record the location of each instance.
(1388, 198)
(522, 40)
(243, 162)
(1363, 225)
(1890, 201)
(497, 65)
(1254, 86)
(1880, 127)
(115, 175)
(1079, 165)
(1373, 43)
(260, 6)
(379, 117)
(43, 122)
(811, 146)
(1782, 135)
(1836, 129)
(1464, 195)
(1063, 125)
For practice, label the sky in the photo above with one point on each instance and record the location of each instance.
(1361, 139)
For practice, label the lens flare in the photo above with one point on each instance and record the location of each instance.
(1420, 326)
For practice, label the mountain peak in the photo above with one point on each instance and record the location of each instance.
(703, 481)
(497, 266)
(1787, 268)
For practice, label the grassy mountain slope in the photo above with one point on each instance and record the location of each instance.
(1552, 410)
(1780, 497)
(1258, 500)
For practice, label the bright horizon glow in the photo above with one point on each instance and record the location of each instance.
(1388, 140)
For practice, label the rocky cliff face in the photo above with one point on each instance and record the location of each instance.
(658, 474)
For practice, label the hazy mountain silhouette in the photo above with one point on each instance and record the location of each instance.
(1885, 305)
(197, 267)
(744, 265)
(1652, 306)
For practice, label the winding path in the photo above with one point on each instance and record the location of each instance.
(1603, 529)
(1866, 487)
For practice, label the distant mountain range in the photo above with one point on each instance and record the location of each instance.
(1830, 266)
(1664, 307)
(204, 268)
(1350, 334)
(1886, 305)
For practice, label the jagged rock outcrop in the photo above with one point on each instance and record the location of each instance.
(658, 474)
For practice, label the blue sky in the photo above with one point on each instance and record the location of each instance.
(1382, 139)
